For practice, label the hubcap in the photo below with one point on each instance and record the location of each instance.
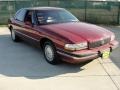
(13, 34)
(49, 53)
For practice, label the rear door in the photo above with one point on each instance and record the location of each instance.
(18, 21)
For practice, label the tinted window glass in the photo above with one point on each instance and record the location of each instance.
(28, 17)
(20, 15)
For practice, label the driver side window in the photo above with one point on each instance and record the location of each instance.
(28, 18)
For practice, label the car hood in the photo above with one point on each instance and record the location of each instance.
(79, 32)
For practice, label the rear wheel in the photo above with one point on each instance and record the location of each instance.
(14, 37)
(50, 53)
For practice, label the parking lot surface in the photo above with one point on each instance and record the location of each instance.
(23, 67)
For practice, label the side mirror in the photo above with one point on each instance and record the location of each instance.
(28, 23)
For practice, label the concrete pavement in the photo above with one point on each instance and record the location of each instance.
(23, 67)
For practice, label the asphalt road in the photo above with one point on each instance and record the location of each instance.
(23, 67)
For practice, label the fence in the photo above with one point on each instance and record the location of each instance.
(99, 12)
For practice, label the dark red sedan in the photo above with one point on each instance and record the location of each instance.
(61, 35)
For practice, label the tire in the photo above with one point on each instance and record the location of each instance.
(50, 53)
(14, 37)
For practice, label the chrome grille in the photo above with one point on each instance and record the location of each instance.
(99, 43)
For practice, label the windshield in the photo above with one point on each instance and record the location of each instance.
(55, 16)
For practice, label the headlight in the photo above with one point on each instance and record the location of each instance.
(112, 37)
(76, 46)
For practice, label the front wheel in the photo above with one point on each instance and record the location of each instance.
(50, 53)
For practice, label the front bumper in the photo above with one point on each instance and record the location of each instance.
(88, 54)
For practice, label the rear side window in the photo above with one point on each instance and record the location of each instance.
(20, 15)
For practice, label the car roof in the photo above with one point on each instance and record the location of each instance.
(44, 8)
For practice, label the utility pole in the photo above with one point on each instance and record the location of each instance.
(85, 10)
(118, 18)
